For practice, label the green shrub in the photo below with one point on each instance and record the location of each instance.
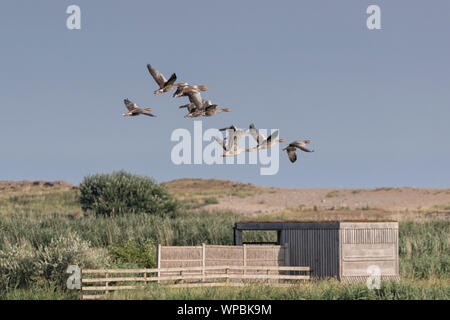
(63, 251)
(18, 266)
(121, 192)
(333, 194)
(22, 265)
(134, 253)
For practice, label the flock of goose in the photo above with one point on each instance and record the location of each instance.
(197, 107)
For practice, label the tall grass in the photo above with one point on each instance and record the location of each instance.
(424, 249)
(312, 290)
(185, 229)
(39, 291)
(42, 202)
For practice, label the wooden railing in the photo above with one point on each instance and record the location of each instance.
(105, 280)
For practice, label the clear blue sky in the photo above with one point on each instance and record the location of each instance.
(375, 103)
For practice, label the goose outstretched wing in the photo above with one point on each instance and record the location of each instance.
(272, 137)
(222, 143)
(159, 78)
(130, 105)
(301, 144)
(196, 98)
(256, 135)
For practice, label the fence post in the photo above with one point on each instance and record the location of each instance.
(106, 282)
(203, 261)
(158, 260)
(227, 271)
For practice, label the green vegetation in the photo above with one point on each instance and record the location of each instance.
(332, 194)
(198, 202)
(22, 265)
(32, 241)
(424, 249)
(311, 290)
(383, 189)
(121, 192)
(133, 253)
(41, 202)
(443, 207)
(44, 232)
(40, 291)
(197, 193)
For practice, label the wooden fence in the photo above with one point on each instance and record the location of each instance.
(217, 255)
(98, 282)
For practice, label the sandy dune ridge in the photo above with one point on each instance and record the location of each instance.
(252, 200)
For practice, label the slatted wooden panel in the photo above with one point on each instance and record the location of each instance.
(217, 255)
(368, 244)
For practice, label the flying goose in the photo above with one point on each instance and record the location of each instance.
(223, 143)
(291, 148)
(184, 84)
(195, 111)
(134, 110)
(190, 107)
(208, 111)
(231, 147)
(193, 93)
(164, 85)
(230, 143)
(212, 110)
(269, 142)
(255, 133)
(264, 143)
(235, 133)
